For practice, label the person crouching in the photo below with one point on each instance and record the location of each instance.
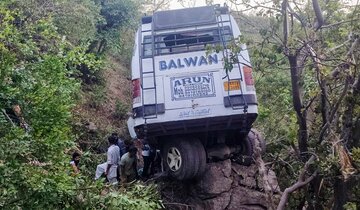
(128, 166)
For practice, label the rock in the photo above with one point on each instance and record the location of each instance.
(245, 175)
(242, 207)
(242, 196)
(272, 179)
(224, 186)
(218, 203)
(215, 181)
(91, 127)
(245, 171)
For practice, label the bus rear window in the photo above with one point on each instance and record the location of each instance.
(181, 42)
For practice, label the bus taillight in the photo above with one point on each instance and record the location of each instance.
(248, 75)
(136, 90)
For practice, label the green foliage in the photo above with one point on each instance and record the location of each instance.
(89, 161)
(277, 119)
(136, 196)
(356, 155)
(78, 20)
(350, 206)
(115, 33)
(86, 66)
(118, 13)
(34, 76)
(39, 72)
(97, 95)
(121, 110)
(122, 48)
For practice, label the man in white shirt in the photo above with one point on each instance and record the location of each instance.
(110, 167)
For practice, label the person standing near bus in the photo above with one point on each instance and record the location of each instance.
(109, 168)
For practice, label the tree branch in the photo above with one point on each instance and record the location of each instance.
(300, 183)
(262, 169)
(7, 116)
(285, 23)
(323, 88)
(297, 103)
(318, 14)
(292, 12)
(258, 5)
(337, 105)
(339, 23)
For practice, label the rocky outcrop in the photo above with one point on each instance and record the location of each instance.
(216, 180)
(224, 186)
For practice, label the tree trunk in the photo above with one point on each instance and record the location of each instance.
(297, 103)
(324, 101)
(340, 194)
(316, 185)
(355, 141)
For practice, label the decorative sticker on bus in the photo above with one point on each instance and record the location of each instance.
(192, 86)
(195, 113)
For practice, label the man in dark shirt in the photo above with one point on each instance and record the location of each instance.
(121, 144)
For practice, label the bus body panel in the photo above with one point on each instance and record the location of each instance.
(189, 84)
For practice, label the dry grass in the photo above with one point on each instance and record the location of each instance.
(116, 88)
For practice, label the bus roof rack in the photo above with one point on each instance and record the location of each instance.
(222, 10)
(187, 17)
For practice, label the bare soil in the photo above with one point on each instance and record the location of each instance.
(117, 87)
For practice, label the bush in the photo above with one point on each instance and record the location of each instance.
(135, 197)
(121, 110)
(97, 96)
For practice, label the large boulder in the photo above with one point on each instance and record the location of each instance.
(219, 202)
(224, 186)
(216, 180)
(242, 197)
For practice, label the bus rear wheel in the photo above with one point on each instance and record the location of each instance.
(184, 158)
(247, 145)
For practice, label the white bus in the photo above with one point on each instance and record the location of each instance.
(183, 99)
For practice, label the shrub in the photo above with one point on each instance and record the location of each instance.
(121, 110)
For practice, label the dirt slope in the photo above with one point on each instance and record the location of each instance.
(96, 115)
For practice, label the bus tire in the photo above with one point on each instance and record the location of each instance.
(179, 159)
(201, 154)
(247, 151)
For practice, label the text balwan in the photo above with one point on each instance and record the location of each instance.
(187, 62)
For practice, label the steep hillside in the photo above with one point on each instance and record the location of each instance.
(104, 108)
(64, 87)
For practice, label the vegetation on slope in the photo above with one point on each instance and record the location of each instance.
(307, 73)
(52, 53)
